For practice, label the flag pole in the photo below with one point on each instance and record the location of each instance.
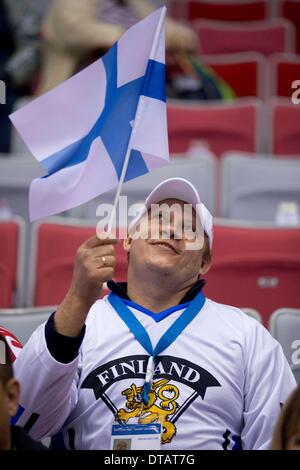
(138, 114)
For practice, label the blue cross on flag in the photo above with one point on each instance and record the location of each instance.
(82, 130)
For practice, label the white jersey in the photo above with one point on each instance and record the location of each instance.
(219, 385)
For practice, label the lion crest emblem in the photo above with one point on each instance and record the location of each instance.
(160, 408)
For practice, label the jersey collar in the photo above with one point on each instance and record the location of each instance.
(120, 288)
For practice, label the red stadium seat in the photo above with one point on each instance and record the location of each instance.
(284, 123)
(265, 37)
(290, 9)
(230, 126)
(11, 260)
(54, 246)
(284, 69)
(242, 10)
(244, 72)
(255, 267)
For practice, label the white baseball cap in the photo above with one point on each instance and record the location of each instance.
(183, 190)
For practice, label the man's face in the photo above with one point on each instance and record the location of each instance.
(170, 238)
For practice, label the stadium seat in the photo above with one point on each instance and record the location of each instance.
(223, 126)
(284, 325)
(255, 266)
(11, 261)
(16, 173)
(200, 170)
(290, 9)
(253, 314)
(54, 244)
(244, 72)
(252, 187)
(284, 127)
(23, 321)
(284, 69)
(250, 10)
(264, 37)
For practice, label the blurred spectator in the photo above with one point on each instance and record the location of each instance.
(287, 431)
(8, 95)
(6, 38)
(189, 79)
(75, 31)
(25, 18)
(19, 55)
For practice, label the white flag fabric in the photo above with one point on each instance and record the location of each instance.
(81, 130)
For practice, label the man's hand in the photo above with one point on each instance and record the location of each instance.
(94, 265)
(180, 38)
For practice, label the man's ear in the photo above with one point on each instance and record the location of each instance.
(13, 393)
(127, 244)
(205, 267)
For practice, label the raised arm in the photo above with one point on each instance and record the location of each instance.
(94, 265)
(47, 367)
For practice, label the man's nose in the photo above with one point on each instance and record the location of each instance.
(170, 232)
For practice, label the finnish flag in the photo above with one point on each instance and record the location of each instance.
(82, 130)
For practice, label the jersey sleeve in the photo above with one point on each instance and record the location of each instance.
(268, 383)
(48, 387)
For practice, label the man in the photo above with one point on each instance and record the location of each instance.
(154, 350)
(11, 437)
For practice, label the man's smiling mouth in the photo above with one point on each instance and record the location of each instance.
(165, 244)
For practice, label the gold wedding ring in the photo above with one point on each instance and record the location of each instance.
(103, 261)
